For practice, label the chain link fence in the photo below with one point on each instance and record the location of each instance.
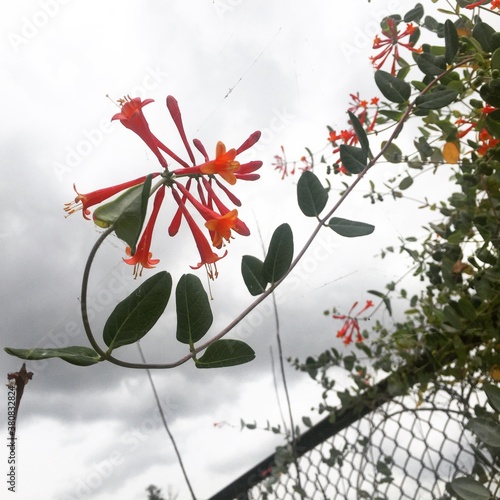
(391, 448)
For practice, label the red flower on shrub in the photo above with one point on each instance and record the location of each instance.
(390, 41)
(220, 220)
(350, 328)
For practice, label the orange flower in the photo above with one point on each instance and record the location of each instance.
(224, 164)
(219, 224)
(142, 256)
(487, 142)
(220, 227)
(208, 257)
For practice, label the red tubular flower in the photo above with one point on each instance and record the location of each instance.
(142, 257)
(495, 4)
(132, 117)
(487, 142)
(390, 45)
(351, 324)
(368, 304)
(84, 201)
(208, 257)
(251, 141)
(175, 113)
(245, 172)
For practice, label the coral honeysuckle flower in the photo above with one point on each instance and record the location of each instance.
(224, 164)
(220, 227)
(350, 327)
(132, 117)
(487, 142)
(240, 227)
(351, 324)
(142, 257)
(84, 201)
(208, 256)
(219, 224)
(495, 4)
(391, 43)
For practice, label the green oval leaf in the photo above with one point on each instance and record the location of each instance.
(486, 430)
(414, 14)
(350, 228)
(391, 114)
(437, 99)
(483, 32)
(75, 355)
(354, 159)
(134, 316)
(225, 352)
(251, 270)
(495, 59)
(127, 213)
(280, 254)
(450, 40)
(466, 309)
(194, 316)
(469, 489)
(406, 183)
(360, 132)
(392, 153)
(392, 88)
(493, 395)
(490, 92)
(430, 64)
(311, 195)
(492, 123)
(431, 24)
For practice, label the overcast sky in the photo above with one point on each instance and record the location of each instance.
(235, 66)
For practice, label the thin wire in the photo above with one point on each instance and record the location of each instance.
(283, 377)
(164, 420)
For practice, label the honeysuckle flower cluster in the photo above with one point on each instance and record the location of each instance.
(351, 323)
(286, 168)
(192, 184)
(484, 139)
(390, 41)
(361, 108)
